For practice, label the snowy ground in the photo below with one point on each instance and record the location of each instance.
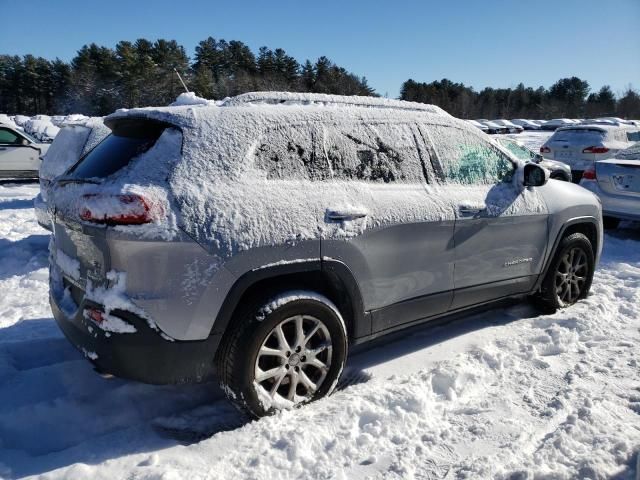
(503, 394)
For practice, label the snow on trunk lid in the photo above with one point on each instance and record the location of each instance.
(620, 178)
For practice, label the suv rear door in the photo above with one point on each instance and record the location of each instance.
(501, 228)
(385, 223)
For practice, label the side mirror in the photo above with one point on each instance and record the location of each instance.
(534, 175)
(24, 142)
(538, 158)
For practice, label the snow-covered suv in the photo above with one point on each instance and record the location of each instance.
(258, 239)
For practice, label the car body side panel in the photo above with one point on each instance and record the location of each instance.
(19, 158)
(569, 203)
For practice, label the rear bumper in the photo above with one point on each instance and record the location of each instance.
(623, 207)
(146, 355)
(42, 215)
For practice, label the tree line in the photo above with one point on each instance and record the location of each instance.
(568, 97)
(99, 79)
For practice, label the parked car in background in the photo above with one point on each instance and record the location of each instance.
(479, 125)
(493, 128)
(512, 127)
(557, 123)
(557, 170)
(616, 182)
(258, 239)
(19, 153)
(582, 145)
(74, 140)
(526, 124)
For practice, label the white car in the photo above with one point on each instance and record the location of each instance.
(19, 153)
(526, 124)
(557, 123)
(513, 128)
(493, 127)
(616, 182)
(479, 125)
(582, 145)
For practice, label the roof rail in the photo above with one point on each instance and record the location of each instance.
(298, 98)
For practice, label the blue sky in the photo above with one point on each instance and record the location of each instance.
(480, 43)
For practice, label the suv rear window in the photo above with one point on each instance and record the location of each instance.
(129, 138)
(579, 136)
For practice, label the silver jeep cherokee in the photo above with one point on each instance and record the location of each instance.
(256, 240)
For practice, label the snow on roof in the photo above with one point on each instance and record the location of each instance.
(605, 127)
(261, 109)
(301, 99)
(190, 98)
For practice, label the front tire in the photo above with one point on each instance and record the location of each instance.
(282, 352)
(570, 274)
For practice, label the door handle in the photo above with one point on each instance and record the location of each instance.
(342, 216)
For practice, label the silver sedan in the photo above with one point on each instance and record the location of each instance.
(616, 182)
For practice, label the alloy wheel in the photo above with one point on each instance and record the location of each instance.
(571, 275)
(294, 359)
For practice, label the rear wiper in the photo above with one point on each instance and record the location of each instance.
(66, 180)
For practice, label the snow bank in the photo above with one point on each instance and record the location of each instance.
(6, 120)
(41, 128)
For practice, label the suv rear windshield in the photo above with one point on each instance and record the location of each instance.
(579, 136)
(129, 138)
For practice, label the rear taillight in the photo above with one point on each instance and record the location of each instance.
(595, 150)
(544, 149)
(94, 315)
(589, 174)
(122, 209)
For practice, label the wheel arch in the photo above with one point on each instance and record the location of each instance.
(588, 226)
(328, 277)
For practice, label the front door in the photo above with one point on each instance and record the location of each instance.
(501, 227)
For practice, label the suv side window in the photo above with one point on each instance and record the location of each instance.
(288, 152)
(468, 159)
(9, 137)
(381, 153)
(633, 136)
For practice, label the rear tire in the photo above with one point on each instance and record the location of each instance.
(570, 274)
(610, 223)
(282, 352)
